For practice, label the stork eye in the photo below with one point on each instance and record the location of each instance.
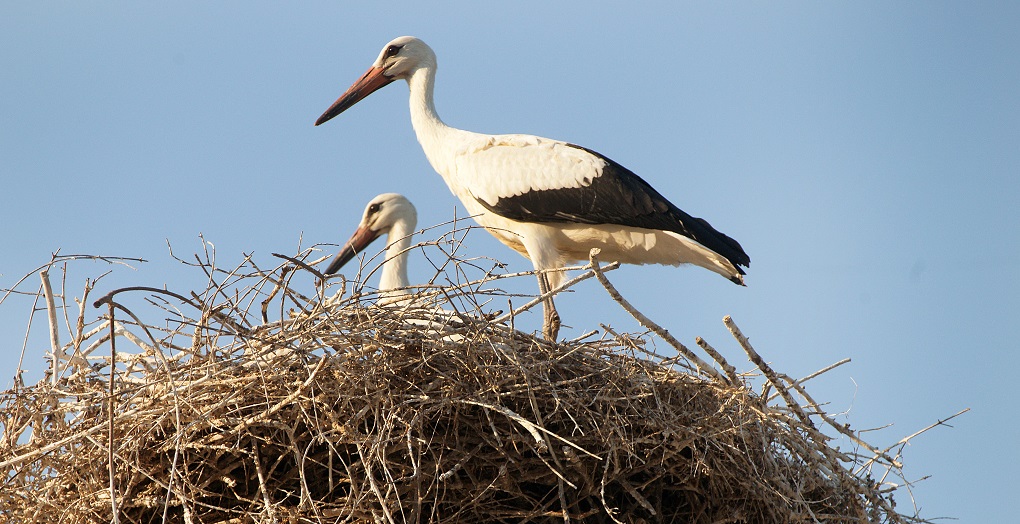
(392, 51)
(373, 209)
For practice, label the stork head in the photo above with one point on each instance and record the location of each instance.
(381, 214)
(399, 59)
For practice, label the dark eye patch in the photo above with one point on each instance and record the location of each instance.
(392, 51)
(373, 209)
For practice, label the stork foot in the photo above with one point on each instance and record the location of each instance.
(551, 324)
(550, 317)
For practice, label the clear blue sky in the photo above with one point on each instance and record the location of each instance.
(866, 155)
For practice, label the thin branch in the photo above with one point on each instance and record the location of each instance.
(51, 310)
(904, 440)
(767, 370)
(647, 323)
(826, 369)
(552, 292)
(731, 372)
(302, 265)
(113, 376)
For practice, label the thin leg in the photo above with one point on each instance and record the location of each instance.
(550, 317)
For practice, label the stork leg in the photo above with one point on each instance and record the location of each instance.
(550, 317)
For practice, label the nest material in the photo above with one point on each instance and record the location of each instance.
(347, 412)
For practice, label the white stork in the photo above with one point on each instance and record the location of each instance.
(394, 215)
(550, 201)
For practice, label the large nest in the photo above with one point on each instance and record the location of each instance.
(343, 411)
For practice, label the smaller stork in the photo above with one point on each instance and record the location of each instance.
(394, 215)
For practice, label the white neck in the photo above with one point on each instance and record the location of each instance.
(394, 270)
(432, 133)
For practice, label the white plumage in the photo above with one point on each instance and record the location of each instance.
(549, 200)
(392, 215)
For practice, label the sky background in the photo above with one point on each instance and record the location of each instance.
(866, 155)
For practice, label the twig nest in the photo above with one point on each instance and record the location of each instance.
(369, 414)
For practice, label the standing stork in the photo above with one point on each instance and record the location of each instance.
(550, 201)
(393, 215)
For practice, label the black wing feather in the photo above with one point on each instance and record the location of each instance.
(621, 197)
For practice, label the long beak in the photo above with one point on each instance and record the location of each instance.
(372, 80)
(358, 242)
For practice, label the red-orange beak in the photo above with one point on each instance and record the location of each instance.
(371, 81)
(361, 238)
